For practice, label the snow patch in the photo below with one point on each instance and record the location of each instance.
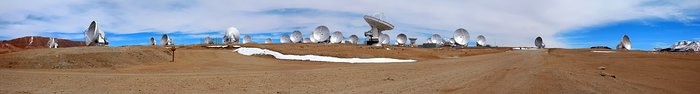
(258, 51)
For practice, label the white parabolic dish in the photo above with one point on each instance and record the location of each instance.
(285, 39)
(461, 37)
(247, 39)
(384, 39)
(232, 35)
(311, 37)
(95, 36)
(401, 39)
(625, 43)
(295, 37)
(306, 40)
(480, 40)
(268, 40)
(337, 37)
(353, 39)
(321, 34)
(436, 39)
(538, 42)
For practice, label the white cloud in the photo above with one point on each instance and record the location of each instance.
(510, 23)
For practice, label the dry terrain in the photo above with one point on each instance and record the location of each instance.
(438, 70)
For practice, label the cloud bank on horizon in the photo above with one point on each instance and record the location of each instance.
(506, 23)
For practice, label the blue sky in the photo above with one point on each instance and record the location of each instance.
(562, 23)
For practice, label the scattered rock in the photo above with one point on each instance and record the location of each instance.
(388, 79)
(601, 68)
(603, 73)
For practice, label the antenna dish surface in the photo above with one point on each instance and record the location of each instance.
(480, 40)
(232, 35)
(321, 34)
(165, 40)
(625, 43)
(268, 41)
(461, 37)
(153, 41)
(413, 40)
(436, 39)
(94, 36)
(353, 39)
(401, 39)
(247, 39)
(285, 39)
(539, 43)
(295, 37)
(384, 39)
(337, 37)
(306, 40)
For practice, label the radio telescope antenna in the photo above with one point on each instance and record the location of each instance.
(166, 41)
(285, 39)
(306, 40)
(413, 40)
(31, 40)
(401, 39)
(377, 27)
(268, 41)
(94, 36)
(384, 39)
(247, 39)
(353, 39)
(152, 41)
(208, 40)
(52, 43)
(232, 35)
(337, 37)
(539, 43)
(436, 39)
(625, 43)
(461, 37)
(322, 34)
(480, 40)
(296, 37)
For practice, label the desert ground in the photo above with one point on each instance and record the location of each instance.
(472, 70)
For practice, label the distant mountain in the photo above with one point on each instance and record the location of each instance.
(32, 42)
(682, 46)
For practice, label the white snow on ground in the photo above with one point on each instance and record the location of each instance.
(258, 51)
(603, 51)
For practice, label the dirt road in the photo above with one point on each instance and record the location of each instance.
(519, 71)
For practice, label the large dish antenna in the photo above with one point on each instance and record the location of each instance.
(401, 39)
(625, 43)
(461, 37)
(436, 39)
(166, 40)
(322, 34)
(153, 41)
(268, 41)
(247, 39)
(285, 39)
(337, 37)
(306, 40)
(413, 40)
(480, 40)
(295, 37)
(232, 35)
(377, 27)
(52, 43)
(94, 36)
(385, 39)
(539, 43)
(208, 40)
(353, 39)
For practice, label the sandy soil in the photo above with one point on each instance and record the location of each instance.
(84, 57)
(517, 71)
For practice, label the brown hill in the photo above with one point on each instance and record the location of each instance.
(23, 43)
